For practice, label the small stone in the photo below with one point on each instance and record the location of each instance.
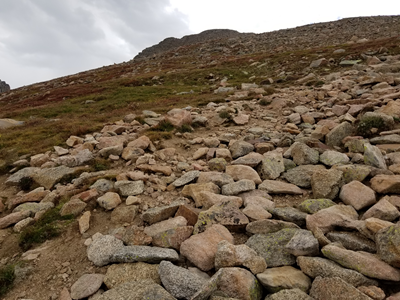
(303, 243)
(279, 187)
(330, 158)
(129, 188)
(186, 178)
(238, 187)
(239, 172)
(131, 254)
(73, 207)
(86, 285)
(84, 222)
(109, 200)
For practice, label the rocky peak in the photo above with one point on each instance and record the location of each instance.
(4, 87)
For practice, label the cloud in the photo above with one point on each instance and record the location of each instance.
(44, 39)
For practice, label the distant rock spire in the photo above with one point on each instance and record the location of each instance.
(4, 87)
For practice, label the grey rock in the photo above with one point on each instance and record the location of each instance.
(364, 262)
(272, 247)
(290, 214)
(326, 183)
(252, 160)
(186, 178)
(86, 285)
(354, 172)
(330, 158)
(312, 206)
(130, 254)
(179, 282)
(73, 207)
(102, 185)
(33, 208)
(337, 134)
(129, 188)
(303, 243)
(102, 248)
(217, 178)
(15, 178)
(352, 241)
(304, 155)
(301, 175)
(50, 176)
(374, 157)
(137, 290)
(318, 266)
(292, 294)
(272, 165)
(388, 243)
(386, 139)
(121, 273)
(238, 187)
(279, 187)
(157, 214)
(268, 226)
(240, 148)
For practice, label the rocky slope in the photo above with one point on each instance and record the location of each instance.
(285, 193)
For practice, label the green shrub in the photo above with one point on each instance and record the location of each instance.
(45, 228)
(185, 128)
(264, 102)
(163, 126)
(365, 126)
(224, 115)
(7, 277)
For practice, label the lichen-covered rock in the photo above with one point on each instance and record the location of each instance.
(318, 266)
(337, 134)
(129, 188)
(102, 248)
(268, 226)
(388, 245)
(272, 247)
(303, 243)
(238, 187)
(131, 254)
(326, 183)
(224, 213)
(272, 165)
(301, 175)
(304, 155)
(330, 158)
(363, 262)
(373, 157)
(311, 206)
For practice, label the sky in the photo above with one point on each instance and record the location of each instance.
(45, 39)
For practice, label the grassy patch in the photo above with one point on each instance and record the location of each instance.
(7, 277)
(163, 126)
(224, 115)
(47, 227)
(185, 128)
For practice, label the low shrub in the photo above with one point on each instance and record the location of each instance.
(7, 277)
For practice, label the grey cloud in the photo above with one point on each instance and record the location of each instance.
(43, 39)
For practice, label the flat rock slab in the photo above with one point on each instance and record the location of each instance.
(238, 187)
(121, 273)
(318, 266)
(386, 184)
(102, 248)
(292, 294)
(130, 254)
(272, 247)
(8, 123)
(86, 285)
(137, 290)
(186, 178)
(129, 188)
(364, 262)
(50, 176)
(279, 187)
(335, 289)
(287, 277)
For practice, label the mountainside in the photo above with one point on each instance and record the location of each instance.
(218, 166)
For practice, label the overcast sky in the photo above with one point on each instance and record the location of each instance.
(44, 39)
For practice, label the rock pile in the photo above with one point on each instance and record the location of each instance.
(296, 199)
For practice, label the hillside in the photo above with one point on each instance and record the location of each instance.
(265, 160)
